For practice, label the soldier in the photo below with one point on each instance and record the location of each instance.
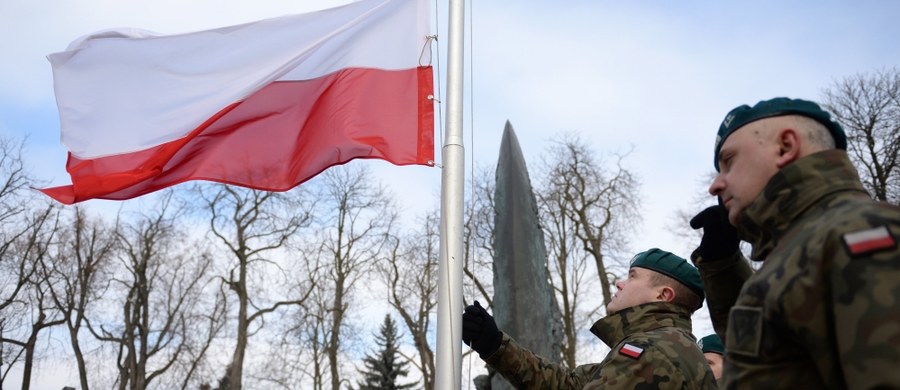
(823, 311)
(713, 350)
(648, 328)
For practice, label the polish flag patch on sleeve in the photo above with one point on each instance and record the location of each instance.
(631, 351)
(865, 241)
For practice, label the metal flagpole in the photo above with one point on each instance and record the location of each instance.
(448, 365)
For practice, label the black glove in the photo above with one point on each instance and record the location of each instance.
(720, 239)
(480, 331)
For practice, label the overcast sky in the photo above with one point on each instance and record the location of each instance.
(655, 76)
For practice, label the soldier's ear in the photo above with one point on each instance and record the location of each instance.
(666, 294)
(788, 147)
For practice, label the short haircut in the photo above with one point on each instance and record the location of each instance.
(684, 296)
(817, 134)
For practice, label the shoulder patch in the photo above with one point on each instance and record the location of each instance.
(864, 241)
(631, 351)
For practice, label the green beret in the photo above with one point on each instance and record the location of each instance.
(670, 265)
(779, 106)
(711, 343)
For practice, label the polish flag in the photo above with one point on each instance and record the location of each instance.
(265, 105)
(631, 351)
(868, 240)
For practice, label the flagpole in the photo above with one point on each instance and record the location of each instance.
(448, 365)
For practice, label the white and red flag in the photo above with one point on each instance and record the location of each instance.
(265, 105)
(631, 351)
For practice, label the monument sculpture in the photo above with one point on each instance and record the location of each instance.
(524, 304)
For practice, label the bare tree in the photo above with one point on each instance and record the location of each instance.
(31, 311)
(205, 324)
(83, 251)
(15, 198)
(356, 218)
(295, 357)
(868, 107)
(27, 226)
(161, 278)
(568, 263)
(313, 331)
(254, 226)
(410, 271)
(478, 238)
(15, 269)
(599, 198)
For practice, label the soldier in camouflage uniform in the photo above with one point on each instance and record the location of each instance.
(648, 328)
(823, 311)
(714, 352)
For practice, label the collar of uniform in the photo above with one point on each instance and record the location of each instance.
(790, 193)
(641, 318)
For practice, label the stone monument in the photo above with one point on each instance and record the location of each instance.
(524, 304)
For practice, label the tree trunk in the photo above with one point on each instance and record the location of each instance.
(29, 358)
(605, 285)
(427, 360)
(335, 339)
(79, 358)
(236, 371)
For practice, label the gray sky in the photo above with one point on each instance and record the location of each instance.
(657, 76)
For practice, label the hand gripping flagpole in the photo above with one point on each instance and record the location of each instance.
(448, 367)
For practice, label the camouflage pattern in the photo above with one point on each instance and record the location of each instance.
(815, 316)
(725, 277)
(670, 359)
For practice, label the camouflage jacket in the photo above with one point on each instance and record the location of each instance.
(824, 309)
(652, 347)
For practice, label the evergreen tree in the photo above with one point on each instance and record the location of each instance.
(384, 366)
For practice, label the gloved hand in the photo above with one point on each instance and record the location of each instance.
(720, 239)
(480, 331)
